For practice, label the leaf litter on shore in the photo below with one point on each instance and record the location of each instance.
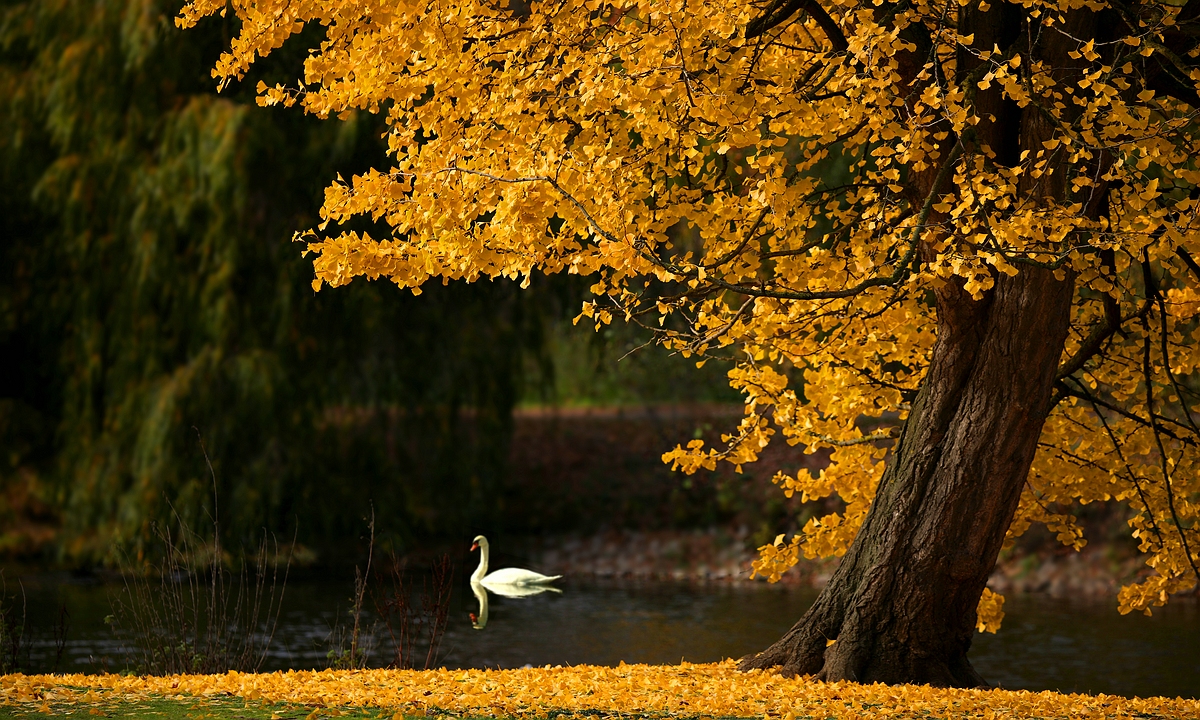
(686, 690)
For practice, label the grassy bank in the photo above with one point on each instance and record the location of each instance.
(161, 708)
(642, 691)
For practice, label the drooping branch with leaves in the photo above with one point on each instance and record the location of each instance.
(979, 218)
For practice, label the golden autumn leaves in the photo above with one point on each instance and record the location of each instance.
(792, 198)
(686, 690)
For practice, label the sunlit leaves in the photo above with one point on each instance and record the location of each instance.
(686, 690)
(792, 197)
(990, 611)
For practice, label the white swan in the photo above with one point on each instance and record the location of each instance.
(502, 581)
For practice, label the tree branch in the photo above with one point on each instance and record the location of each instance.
(1095, 339)
(1164, 464)
(1065, 391)
(779, 12)
(1189, 261)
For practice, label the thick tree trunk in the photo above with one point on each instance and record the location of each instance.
(901, 604)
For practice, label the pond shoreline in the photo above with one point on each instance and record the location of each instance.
(604, 505)
(724, 556)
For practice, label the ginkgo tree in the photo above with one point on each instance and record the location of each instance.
(977, 217)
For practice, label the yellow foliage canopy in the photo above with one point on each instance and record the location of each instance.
(790, 180)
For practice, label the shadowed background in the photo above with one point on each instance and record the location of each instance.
(151, 304)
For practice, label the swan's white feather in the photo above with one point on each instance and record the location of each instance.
(517, 576)
(506, 577)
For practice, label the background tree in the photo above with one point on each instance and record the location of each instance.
(979, 218)
(147, 290)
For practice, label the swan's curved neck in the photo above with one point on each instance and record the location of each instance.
(483, 563)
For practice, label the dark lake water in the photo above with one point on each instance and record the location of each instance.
(1044, 644)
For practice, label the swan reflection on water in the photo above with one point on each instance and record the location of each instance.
(507, 582)
(479, 620)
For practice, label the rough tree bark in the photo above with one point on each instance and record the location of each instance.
(901, 604)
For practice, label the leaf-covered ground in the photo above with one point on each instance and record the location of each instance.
(646, 691)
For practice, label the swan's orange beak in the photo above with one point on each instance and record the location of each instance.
(474, 547)
(473, 618)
